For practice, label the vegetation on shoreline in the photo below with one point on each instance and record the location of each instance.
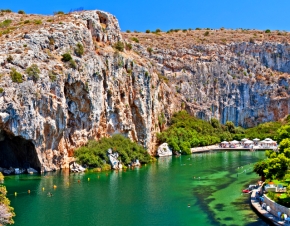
(6, 211)
(94, 154)
(276, 167)
(186, 131)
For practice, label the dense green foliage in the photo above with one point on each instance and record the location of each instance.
(186, 131)
(16, 76)
(95, 152)
(66, 57)
(263, 131)
(6, 212)
(33, 72)
(276, 166)
(21, 12)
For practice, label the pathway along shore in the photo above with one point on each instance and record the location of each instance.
(264, 214)
(218, 148)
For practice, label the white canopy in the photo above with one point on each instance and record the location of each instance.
(225, 142)
(249, 142)
(268, 139)
(256, 139)
(234, 142)
(244, 139)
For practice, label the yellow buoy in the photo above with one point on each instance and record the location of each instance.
(67, 183)
(54, 186)
(42, 188)
(88, 179)
(15, 193)
(28, 191)
(98, 177)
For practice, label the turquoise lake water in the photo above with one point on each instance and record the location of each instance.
(156, 194)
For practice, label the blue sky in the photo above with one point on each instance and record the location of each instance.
(166, 14)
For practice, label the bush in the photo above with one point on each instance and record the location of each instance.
(37, 22)
(72, 64)
(149, 50)
(147, 31)
(66, 57)
(33, 72)
(206, 33)
(95, 152)
(79, 50)
(52, 76)
(268, 31)
(5, 23)
(6, 10)
(158, 30)
(135, 39)
(128, 31)
(128, 46)
(21, 12)
(1, 91)
(16, 76)
(119, 46)
(58, 13)
(26, 21)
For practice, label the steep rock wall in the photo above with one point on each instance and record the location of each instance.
(246, 83)
(108, 92)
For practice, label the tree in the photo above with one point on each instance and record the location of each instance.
(230, 126)
(259, 168)
(277, 167)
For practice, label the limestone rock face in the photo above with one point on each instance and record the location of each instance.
(103, 91)
(164, 150)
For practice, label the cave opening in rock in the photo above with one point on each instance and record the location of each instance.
(17, 152)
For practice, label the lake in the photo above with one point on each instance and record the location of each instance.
(154, 194)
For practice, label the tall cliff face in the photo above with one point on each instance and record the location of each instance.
(105, 91)
(247, 83)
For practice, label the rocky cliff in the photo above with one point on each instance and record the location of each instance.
(104, 91)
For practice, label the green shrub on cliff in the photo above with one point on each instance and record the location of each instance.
(33, 72)
(95, 152)
(66, 57)
(119, 46)
(16, 76)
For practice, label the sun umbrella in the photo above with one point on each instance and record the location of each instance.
(234, 142)
(225, 142)
(256, 139)
(249, 142)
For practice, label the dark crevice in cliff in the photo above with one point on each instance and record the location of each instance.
(17, 152)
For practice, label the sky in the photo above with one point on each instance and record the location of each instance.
(173, 14)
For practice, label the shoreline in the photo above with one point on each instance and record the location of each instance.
(264, 214)
(217, 148)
